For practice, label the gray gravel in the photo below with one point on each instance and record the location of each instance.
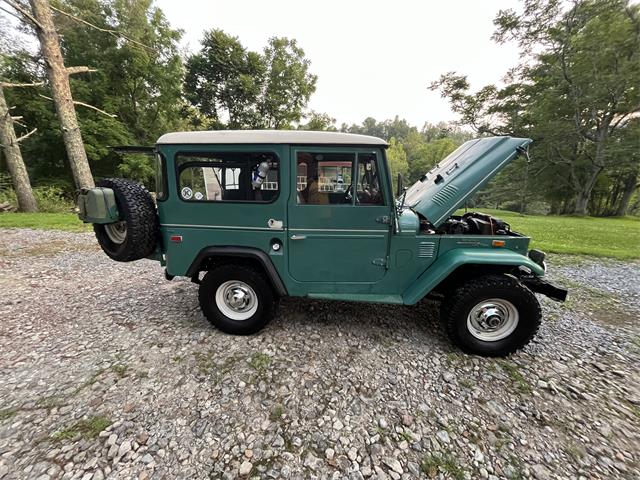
(109, 371)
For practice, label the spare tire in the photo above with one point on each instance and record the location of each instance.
(137, 233)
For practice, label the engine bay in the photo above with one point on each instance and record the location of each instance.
(471, 223)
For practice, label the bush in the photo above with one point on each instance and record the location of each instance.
(50, 199)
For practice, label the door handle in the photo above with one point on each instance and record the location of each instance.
(298, 237)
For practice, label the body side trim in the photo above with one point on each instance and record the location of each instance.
(230, 227)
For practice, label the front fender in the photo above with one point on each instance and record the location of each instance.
(450, 261)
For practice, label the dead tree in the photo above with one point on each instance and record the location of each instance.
(11, 144)
(58, 76)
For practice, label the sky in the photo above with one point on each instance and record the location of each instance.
(372, 58)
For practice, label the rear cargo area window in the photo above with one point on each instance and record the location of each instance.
(228, 177)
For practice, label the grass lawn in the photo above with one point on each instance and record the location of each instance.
(602, 237)
(44, 221)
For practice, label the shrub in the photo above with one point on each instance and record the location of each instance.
(50, 199)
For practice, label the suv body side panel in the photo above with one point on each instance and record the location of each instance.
(454, 258)
(217, 223)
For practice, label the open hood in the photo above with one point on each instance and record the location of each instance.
(450, 183)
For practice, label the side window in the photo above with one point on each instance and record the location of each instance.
(368, 188)
(228, 177)
(324, 178)
(161, 177)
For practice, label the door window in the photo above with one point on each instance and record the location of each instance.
(324, 178)
(368, 186)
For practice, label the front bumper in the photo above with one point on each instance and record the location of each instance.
(538, 285)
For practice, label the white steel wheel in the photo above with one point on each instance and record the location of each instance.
(236, 300)
(493, 319)
(117, 232)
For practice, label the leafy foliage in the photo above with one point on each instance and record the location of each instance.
(575, 94)
(232, 87)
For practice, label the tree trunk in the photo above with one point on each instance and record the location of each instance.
(630, 186)
(582, 200)
(59, 79)
(15, 164)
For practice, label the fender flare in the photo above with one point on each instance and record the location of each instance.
(240, 252)
(453, 259)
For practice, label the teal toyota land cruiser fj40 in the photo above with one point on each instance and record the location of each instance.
(252, 216)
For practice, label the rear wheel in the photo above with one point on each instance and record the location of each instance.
(493, 315)
(236, 299)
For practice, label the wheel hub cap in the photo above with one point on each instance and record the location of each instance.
(492, 319)
(117, 232)
(236, 300)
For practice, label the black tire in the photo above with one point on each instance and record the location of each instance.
(138, 213)
(214, 279)
(457, 306)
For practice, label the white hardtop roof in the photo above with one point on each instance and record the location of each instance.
(295, 137)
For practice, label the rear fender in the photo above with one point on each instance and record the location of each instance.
(453, 259)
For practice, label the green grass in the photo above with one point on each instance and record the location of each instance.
(445, 463)
(7, 413)
(260, 361)
(617, 237)
(276, 413)
(44, 221)
(87, 428)
(511, 369)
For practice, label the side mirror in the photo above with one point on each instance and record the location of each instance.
(400, 186)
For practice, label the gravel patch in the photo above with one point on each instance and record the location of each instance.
(109, 371)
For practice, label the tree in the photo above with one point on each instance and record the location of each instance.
(138, 79)
(576, 87)
(318, 121)
(397, 160)
(232, 87)
(288, 83)
(58, 75)
(15, 164)
(593, 52)
(224, 81)
(8, 138)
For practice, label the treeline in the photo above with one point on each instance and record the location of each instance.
(575, 94)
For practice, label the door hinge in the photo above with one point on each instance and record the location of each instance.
(384, 219)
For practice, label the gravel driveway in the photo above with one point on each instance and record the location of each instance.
(108, 370)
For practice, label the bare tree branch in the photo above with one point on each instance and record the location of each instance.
(20, 85)
(26, 135)
(27, 15)
(74, 70)
(115, 33)
(82, 104)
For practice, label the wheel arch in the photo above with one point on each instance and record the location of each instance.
(462, 263)
(221, 254)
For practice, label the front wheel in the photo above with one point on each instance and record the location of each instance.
(491, 316)
(236, 299)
